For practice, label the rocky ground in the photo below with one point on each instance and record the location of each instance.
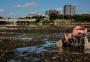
(53, 56)
(9, 41)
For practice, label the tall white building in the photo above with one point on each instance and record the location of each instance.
(69, 10)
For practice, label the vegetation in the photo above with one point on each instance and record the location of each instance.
(1, 18)
(51, 19)
(77, 18)
(82, 18)
(53, 16)
(4, 22)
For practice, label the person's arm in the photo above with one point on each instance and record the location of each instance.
(59, 44)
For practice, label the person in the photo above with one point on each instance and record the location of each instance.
(79, 30)
(75, 39)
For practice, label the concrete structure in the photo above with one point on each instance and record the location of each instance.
(14, 22)
(69, 10)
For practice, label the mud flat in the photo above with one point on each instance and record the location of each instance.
(12, 37)
(54, 56)
(43, 29)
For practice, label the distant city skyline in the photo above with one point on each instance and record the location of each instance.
(16, 8)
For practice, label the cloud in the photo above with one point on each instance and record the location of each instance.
(12, 14)
(2, 10)
(27, 4)
(59, 9)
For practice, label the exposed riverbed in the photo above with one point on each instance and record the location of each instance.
(26, 46)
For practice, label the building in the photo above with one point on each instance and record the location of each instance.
(52, 11)
(69, 10)
(53, 14)
(15, 22)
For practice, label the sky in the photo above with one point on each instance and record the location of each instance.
(19, 8)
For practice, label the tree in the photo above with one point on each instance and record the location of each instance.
(39, 18)
(1, 17)
(82, 17)
(53, 16)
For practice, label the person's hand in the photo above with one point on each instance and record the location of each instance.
(79, 30)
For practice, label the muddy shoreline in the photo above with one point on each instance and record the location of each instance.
(10, 40)
(41, 29)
